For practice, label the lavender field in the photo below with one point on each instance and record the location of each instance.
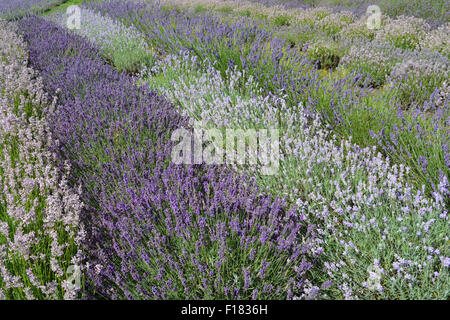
(224, 150)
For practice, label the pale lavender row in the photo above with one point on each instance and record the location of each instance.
(39, 224)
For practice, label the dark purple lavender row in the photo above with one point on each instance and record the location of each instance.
(155, 229)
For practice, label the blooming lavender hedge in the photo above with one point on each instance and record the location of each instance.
(40, 231)
(155, 229)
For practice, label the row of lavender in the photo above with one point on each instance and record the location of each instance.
(370, 197)
(40, 234)
(155, 229)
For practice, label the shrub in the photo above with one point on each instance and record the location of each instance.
(310, 17)
(373, 59)
(281, 20)
(335, 22)
(438, 39)
(358, 31)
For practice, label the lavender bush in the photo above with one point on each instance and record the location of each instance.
(325, 52)
(438, 39)
(358, 30)
(376, 59)
(155, 229)
(40, 231)
(334, 23)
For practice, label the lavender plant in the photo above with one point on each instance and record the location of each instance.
(374, 59)
(237, 101)
(40, 231)
(334, 23)
(358, 29)
(438, 39)
(326, 53)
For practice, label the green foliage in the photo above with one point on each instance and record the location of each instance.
(282, 20)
